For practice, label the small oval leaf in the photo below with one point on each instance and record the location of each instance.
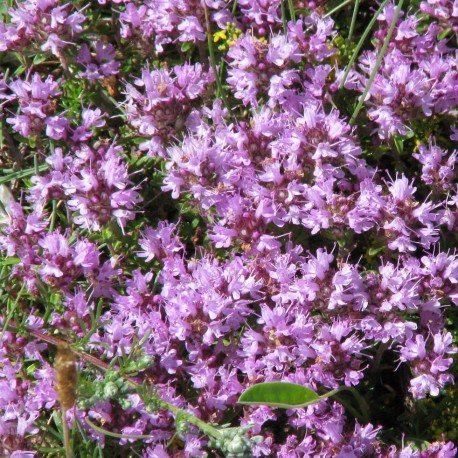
(279, 394)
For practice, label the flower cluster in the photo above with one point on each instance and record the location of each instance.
(418, 76)
(164, 22)
(237, 228)
(44, 24)
(94, 182)
(101, 65)
(36, 101)
(23, 401)
(160, 107)
(259, 68)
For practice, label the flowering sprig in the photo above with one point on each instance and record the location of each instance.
(45, 23)
(35, 99)
(94, 182)
(195, 247)
(161, 95)
(98, 66)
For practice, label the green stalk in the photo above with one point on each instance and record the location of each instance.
(337, 8)
(116, 435)
(361, 42)
(24, 173)
(362, 415)
(52, 224)
(363, 407)
(68, 450)
(11, 313)
(154, 398)
(219, 87)
(377, 63)
(283, 15)
(353, 21)
(292, 13)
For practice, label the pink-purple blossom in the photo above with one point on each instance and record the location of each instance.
(215, 223)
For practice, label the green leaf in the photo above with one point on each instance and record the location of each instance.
(444, 33)
(39, 58)
(399, 143)
(21, 174)
(112, 232)
(3, 11)
(373, 251)
(279, 394)
(19, 70)
(142, 161)
(9, 261)
(187, 46)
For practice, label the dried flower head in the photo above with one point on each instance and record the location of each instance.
(66, 376)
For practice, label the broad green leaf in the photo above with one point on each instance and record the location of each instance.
(279, 394)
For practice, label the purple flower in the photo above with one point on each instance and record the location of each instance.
(101, 65)
(94, 182)
(91, 119)
(429, 365)
(154, 100)
(310, 260)
(313, 35)
(437, 170)
(159, 243)
(35, 99)
(40, 23)
(261, 15)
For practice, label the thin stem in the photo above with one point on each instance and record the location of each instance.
(363, 407)
(11, 313)
(52, 224)
(363, 414)
(68, 450)
(117, 435)
(204, 427)
(23, 173)
(396, 156)
(219, 87)
(331, 393)
(283, 15)
(361, 42)
(337, 8)
(378, 356)
(353, 20)
(292, 13)
(377, 63)
(23, 60)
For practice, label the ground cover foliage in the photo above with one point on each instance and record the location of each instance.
(198, 197)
